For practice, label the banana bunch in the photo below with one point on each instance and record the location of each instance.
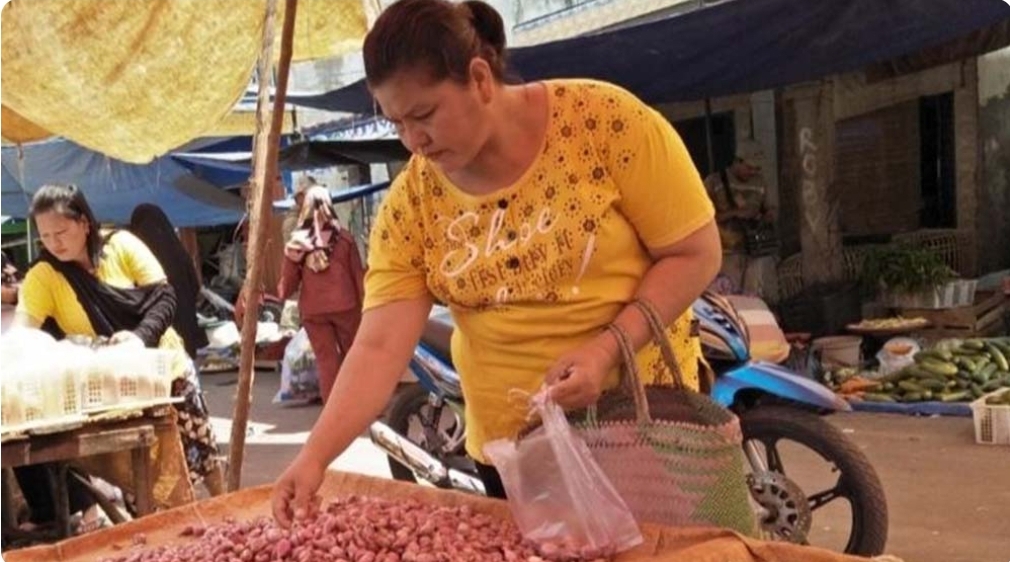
(893, 323)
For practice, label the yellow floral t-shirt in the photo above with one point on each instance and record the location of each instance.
(538, 268)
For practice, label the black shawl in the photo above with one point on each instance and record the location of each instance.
(147, 311)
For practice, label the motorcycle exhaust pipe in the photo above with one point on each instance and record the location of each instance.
(424, 465)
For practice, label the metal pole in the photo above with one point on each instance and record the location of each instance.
(708, 136)
(28, 239)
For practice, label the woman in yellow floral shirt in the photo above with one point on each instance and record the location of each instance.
(536, 212)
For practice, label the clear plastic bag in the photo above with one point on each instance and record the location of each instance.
(559, 497)
(896, 354)
(299, 377)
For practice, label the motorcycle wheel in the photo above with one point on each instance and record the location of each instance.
(271, 312)
(408, 414)
(787, 506)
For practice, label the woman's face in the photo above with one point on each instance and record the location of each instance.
(66, 239)
(445, 121)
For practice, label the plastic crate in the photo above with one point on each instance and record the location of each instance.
(70, 397)
(144, 375)
(160, 375)
(992, 423)
(98, 391)
(129, 388)
(12, 411)
(951, 295)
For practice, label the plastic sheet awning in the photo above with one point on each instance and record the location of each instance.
(134, 79)
(304, 155)
(343, 196)
(114, 188)
(736, 46)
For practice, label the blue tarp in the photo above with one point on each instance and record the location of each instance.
(114, 188)
(955, 409)
(736, 46)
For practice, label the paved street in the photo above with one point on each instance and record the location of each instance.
(949, 498)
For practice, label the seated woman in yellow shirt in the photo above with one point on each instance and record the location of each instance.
(112, 286)
(538, 213)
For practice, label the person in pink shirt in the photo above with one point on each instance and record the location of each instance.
(322, 260)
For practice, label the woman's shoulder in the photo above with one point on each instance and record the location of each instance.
(123, 245)
(583, 92)
(123, 241)
(40, 270)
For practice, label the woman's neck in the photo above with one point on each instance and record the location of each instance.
(85, 262)
(517, 134)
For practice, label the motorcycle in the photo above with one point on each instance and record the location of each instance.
(779, 410)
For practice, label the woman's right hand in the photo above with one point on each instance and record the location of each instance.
(294, 494)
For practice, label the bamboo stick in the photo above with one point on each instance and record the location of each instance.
(268, 127)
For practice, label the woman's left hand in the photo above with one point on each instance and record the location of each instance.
(126, 338)
(576, 379)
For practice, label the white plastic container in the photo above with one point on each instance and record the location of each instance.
(101, 387)
(12, 409)
(992, 422)
(841, 351)
(33, 390)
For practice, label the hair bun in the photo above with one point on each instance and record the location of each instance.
(488, 24)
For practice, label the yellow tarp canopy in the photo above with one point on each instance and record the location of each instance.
(134, 79)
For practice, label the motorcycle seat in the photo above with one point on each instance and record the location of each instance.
(437, 334)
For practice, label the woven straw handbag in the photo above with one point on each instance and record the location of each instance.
(673, 454)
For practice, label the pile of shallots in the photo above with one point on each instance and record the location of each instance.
(358, 529)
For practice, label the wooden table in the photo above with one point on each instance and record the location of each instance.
(60, 449)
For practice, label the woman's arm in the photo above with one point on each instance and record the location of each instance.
(680, 273)
(24, 320)
(158, 317)
(9, 294)
(368, 376)
(146, 272)
(291, 278)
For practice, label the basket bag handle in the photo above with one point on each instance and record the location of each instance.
(658, 329)
(631, 378)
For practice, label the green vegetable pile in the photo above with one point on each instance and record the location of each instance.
(955, 372)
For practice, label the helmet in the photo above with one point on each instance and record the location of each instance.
(723, 333)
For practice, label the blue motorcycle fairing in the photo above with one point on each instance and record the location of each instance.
(434, 373)
(776, 381)
(714, 321)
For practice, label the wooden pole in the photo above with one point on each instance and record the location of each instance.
(264, 172)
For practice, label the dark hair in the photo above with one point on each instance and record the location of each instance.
(437, 35)
(69, 201)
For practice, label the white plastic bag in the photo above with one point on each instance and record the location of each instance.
(299, 378)
(559, 497)
(896, 354)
